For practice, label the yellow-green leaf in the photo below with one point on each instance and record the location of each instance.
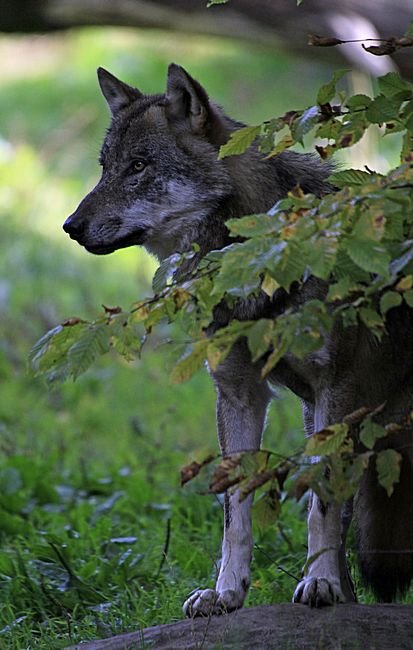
(239, 141)
(388, 464)
(327, 441)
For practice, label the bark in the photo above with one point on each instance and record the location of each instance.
(278, 627)
(265, 22)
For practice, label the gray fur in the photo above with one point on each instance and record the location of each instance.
(163, 186)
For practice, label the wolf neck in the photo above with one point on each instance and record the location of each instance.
(253, 189)
(254, 182)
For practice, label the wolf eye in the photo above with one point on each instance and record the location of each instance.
(138, 166)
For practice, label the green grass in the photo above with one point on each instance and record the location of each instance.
(97, 537)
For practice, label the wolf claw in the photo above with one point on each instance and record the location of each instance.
(318, 592)
(206, 602)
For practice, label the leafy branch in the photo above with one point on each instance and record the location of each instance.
(387, 45)
(334, 476)
(357, 241)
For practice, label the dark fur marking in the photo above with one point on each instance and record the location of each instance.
(245, 584)
(227, 510)
(322, 506)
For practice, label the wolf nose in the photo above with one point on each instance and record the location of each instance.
(74, 227)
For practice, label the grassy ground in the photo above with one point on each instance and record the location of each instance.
(96, 535)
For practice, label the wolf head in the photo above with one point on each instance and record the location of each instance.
(160, 173)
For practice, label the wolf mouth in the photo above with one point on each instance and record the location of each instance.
(134, 239)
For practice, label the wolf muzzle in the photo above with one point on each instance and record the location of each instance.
(78, 228)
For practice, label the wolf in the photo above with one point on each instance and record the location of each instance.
(164, 188)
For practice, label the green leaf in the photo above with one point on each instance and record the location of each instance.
(382, 109)
(269, 285)
(217, 351)
(328, 90)
(216, 2)
(372, 320)
(408, 296)
(370, 226)
(350, 177)
(284, 143)
(327, 441)
(266, 509)
(352, 130)
(389, 300)
(371, 432)
(329, 130)
(252, 225)
(50, 355)
(239, 141)
(268, 131)
(190, 363)
(388, 464)
(259, 337)
(369, 255)
(92, 342)
(345, 474)
(407, 146)
(392, 84)
(405, 283)
(358, 102)
(125, 337)
(221, 343)
(280, 348)
(287, 264)
(341, 289)
(321, 254)
(254, 462)
(242, 264)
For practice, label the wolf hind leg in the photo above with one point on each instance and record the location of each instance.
(385, 527)
(242, 401)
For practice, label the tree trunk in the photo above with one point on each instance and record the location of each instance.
(278, 627)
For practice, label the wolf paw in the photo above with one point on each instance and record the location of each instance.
(205, 602)
(318, 592)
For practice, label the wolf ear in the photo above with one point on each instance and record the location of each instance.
(116, 92)
(187, 100)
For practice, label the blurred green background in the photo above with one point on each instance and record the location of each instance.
(52, 122)
(89, 471)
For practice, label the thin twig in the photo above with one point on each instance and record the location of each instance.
(165, 548)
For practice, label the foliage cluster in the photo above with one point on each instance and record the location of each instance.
(358, 238)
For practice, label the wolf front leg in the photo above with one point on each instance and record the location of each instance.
(242, 401)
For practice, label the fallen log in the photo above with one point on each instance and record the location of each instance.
(281, 627)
